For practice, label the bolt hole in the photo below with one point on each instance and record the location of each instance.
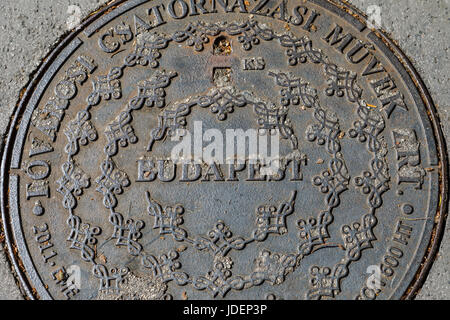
(222, 46)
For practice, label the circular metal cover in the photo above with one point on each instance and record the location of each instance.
(95, 207)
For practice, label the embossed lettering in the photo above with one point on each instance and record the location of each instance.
(372, 67)
(43, 239)
(280, 10)
(39, 147)
(408, 156)
(386, 90)
(39, 187)
(157, 13)
(254, 63)
(107, 41)
(48, 117)
(196, 6)
(402, 233)
(35, 174)
(178, 14)
(335, 37)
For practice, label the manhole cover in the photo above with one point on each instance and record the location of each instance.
(228, 150)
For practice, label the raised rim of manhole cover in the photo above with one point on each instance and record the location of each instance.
(92, 210)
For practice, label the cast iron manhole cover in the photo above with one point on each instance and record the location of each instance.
(119, 181)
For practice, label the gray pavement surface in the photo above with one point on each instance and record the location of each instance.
(30, 28)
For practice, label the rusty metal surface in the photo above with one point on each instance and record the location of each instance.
(364, 184)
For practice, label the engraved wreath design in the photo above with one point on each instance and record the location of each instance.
(313, 232)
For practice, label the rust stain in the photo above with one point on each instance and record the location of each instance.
(60, 275)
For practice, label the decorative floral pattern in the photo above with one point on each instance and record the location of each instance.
(219, 241)
(111, 183)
